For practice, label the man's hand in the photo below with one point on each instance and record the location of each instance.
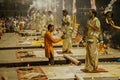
(89, 24)
(111, 23)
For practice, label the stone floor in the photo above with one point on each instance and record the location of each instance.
(9, 63)
(15, 41)
(69, 72)
(9, 56)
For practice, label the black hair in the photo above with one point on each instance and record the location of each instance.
(65, 11)
(50, 12)
(49, 26)
(94, 12)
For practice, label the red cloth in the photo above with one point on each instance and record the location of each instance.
(21, 27)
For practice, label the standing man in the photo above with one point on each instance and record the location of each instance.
(48, 42)
(50, 18)
(67, 30)
(93, 26)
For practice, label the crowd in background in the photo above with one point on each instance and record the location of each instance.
(39, 21)
(36, 21)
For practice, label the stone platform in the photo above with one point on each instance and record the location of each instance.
(10, 57)
(68, 72)
(15, 41)
(11, 61)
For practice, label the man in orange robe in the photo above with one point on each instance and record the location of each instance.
(48, 41)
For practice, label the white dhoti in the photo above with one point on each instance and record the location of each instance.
(91, 62)
(67, 45)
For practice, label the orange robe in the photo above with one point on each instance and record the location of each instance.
(48, 41)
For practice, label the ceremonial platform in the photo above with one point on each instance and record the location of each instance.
(80, 23)
(15, 41)
(61, 72)
(22, 57)
(21, 63)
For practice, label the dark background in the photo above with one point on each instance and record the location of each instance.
(19, 8)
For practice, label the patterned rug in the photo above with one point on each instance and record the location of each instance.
(31, 74)
(97, 71)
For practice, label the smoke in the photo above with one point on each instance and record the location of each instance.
(43, 5)
(110, 6)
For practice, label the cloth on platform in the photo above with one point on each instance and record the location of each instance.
(31, 74)
(24, 54)
(37, 43)
(48, 41)
(78, 38)
(30, 42)
(26, 42)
